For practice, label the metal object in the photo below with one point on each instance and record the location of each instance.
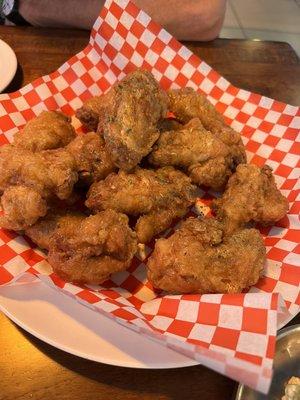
(286, 365)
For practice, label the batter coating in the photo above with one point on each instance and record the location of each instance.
(156, 197)
(187, 104)
(91, 111)
(128, 117)
(98, 246)
(35, 178)
(198, 258)
(22, 207)
(93, 161)
(202, 155)
(42, 231)
(251, 195)
(49, 130)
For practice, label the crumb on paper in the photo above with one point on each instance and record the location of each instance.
(201, 209)
(75, 122)
(141, 251)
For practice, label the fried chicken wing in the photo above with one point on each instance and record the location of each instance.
(50, 172)
(251, 195)
(157, 197)
(38, 177)
(150, 225)
(42, 231)
(92, 158)
(61, 172)
(22, 207)
(137, 105)
(187, 104)
(49, 130)
(94, 249)
(203, 156)
(128, 117)
(198, 258)
(93, 110)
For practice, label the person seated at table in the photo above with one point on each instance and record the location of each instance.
(185, 19)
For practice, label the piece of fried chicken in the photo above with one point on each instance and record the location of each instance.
(156, 197)
(42, 231)
(186, 104)
(251, 195)
(93, 110)
(93, 249)
(203, 156)
(128, 117)
(48, 172)
(33, 177)
(22, 206)
(198, 258)
(92, 158)
(49, 130)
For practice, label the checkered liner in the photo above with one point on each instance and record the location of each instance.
(232, 334)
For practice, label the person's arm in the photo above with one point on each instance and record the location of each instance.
(185, 19)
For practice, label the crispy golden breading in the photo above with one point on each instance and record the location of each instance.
(187, 104)
(39, 177)
(12, 160)
(92, 159)
(139, 192)
(155, 222)
(132, 109)
(128, 117)
(251, 195)
(169, 124)
(49, 172)
(137, 105)
(157, 197)
(42, 231)
(49, 130)
(61, 172)
(22, 207)
(92, 110)
(197, 258)
(97, 247)
(203, 156)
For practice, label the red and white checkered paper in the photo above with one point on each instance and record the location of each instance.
(232, 334)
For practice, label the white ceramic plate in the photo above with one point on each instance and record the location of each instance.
(62, 322)
(8, 65)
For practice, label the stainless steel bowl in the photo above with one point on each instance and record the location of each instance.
(286, 365)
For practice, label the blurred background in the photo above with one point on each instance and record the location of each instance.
(277, 20)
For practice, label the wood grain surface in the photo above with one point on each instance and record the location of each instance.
(31, 369)
(268, 68)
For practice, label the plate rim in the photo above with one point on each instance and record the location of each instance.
(10, 61)
(125, 364)
(80, 354)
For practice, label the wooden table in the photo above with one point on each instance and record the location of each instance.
(31, 369)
